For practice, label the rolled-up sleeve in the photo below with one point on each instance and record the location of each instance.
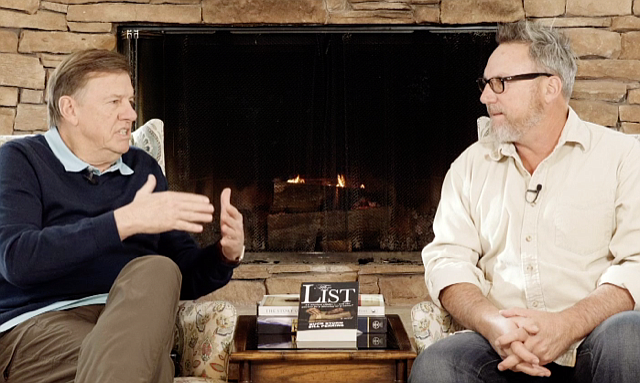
(452, 257)
(625, 243)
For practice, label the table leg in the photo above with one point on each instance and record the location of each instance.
(401, 371)
(244, 372)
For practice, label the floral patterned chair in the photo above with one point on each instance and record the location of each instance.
(430, 324)
(204, 329)
(203, 338)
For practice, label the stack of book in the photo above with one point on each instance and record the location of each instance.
(278, 320)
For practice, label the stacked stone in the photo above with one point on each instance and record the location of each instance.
(401, 284)
(35, 35)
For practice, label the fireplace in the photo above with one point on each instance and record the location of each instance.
(331, 139)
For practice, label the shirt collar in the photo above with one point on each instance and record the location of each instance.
(571, 132)
(74, 164)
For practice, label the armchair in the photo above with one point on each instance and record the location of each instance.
(204, 329)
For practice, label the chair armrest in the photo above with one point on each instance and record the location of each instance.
(430, 324)
(203, 337)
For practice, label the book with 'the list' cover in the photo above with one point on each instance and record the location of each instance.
(328, 315)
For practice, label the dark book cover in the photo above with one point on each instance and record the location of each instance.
(288, 324)
(288, 341)
(327, 315)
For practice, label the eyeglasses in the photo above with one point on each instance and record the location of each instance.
(497, 83)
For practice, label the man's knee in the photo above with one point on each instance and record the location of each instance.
(618, 337)
(429, 366)
(458, 358)
(157, 267)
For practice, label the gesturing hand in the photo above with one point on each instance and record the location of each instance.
(231, 227)
(153, 213)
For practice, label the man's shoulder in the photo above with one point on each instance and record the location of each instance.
(477, 153)
(605, 138)
(140, 160)
(28, 145)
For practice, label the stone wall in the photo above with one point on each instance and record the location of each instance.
(35, 35)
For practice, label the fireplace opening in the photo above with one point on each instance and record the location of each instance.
(331, 140)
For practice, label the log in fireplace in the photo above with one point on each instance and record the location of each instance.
(332, 139)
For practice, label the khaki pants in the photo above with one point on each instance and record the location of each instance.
(127, 340)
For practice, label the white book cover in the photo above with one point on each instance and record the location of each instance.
(287, 305)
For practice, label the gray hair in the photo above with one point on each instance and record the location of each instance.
(549, 49)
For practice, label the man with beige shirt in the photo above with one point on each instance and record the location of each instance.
(537, 233)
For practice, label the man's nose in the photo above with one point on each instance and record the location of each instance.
(129, 113)
(488, 96)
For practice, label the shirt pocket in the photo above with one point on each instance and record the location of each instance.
(583, 227)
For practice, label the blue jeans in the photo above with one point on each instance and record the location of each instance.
(608, 354)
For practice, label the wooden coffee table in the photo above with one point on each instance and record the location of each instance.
(335, 366)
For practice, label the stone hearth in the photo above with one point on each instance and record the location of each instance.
(35, 35)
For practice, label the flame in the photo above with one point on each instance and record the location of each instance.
(361, 186)
(341, 181)
(296, 180)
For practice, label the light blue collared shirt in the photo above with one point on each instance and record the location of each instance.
(72, 164)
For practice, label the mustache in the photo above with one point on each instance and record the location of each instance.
(494, 110)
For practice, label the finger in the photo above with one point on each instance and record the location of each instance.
(148, 186)
(509, 363)
(523, 353)
(519, 335)
(196, 217)
(533, 370)
(513, 312)
(187, 197)
(225, 199)
(527, 323)
(188, 207)
(188, 227)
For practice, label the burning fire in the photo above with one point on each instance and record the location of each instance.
(341, 181)
(296, 180)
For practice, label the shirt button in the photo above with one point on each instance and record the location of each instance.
(528, 238)
(534, 304)
(530, 268)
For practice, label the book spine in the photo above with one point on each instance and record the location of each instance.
(372, 341)
(287, 325)
(293, 311)
(370, 310)
(372, 324)
(283, 311)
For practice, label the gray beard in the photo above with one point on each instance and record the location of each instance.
(513, 131)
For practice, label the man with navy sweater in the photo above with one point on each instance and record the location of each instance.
(95, 252)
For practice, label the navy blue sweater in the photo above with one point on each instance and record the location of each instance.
(58, 237)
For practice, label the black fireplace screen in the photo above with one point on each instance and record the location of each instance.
(331, 141)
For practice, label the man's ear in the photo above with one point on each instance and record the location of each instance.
(553, 89)
(68, 109)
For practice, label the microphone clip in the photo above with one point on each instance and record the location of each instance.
(88, 175)
(535, 192)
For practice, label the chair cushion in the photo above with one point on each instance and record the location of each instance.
(203, 338)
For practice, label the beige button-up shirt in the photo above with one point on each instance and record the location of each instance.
(582, 230)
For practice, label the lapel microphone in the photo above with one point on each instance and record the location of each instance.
(89, 176)
(535, 192)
